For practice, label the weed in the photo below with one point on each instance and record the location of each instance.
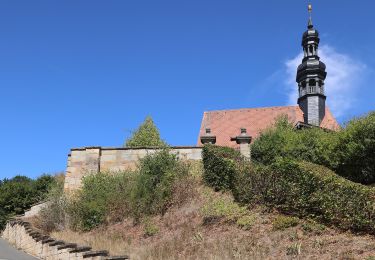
(150, 228)
(294, 249)
(313, 228)
(284, 222)
(246, 222)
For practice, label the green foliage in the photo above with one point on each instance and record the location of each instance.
(147, 191)
(349, 152)
(219, 166)
(283, 222)
(246, 222)
(154, 183)
(308, 190)
(283, 140)
(304, 189)
(223, 207)
(313, 227)
(20, 193)
(356, 150)
(147, 135)
(53, 216)
(150, 228)
(102, 198)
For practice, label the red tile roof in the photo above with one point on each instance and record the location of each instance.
(225, 124)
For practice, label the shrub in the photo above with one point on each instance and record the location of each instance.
(53, 216)
(219, 166)
(103, 197)
(20, 193)
(223, 207)
(147, 135)
(284, 140)
(356, 150)
(349, 152)
(313, 227)
(284, 222)
(246, 222)
(150, 229)
(154, 183)
(304, 189)
(308, 190)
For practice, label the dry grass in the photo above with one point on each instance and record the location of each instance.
(182, 233)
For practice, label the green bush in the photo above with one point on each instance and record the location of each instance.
(307, 190)
(356, 150)
(284, 222)
(102, 196)
(147, 135)
(20, 193)
(284, 140)
(349, 152)
(219, 166)
(154, 184)
(303, 189)
(53, 216)
(106, 197)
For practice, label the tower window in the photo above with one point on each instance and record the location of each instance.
(311, 50)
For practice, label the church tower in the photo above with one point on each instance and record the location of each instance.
(311, 74)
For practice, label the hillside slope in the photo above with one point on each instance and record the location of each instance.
(210, 225)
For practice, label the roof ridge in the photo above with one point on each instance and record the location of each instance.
(224, 110)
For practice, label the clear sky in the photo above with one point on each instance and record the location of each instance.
(85, 72)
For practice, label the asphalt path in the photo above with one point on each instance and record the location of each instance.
(7, 252)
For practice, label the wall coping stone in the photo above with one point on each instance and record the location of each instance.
(124, 257)
(67, 245)
(80, 249)
(96, 253)
(48, 240)
(134, 148)
(40, 238)
(57, 243)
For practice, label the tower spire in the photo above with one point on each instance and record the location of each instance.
(311, 74)
(310, 24)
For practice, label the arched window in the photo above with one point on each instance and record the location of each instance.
(311, 50)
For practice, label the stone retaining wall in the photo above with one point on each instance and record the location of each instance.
(24, 237)
(88, 160)
(35, 209)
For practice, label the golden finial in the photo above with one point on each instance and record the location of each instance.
(309, 8)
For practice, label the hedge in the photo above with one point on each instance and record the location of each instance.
(301, 189)
(219, 166)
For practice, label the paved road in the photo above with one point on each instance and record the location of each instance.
(10, 253)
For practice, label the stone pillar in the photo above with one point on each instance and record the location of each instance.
(244, 141)
(208, 138)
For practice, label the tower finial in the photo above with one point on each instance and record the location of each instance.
(310, 24)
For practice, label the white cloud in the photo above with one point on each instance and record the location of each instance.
(343, 79)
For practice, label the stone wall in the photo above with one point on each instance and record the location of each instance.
(24, 237)
(88, 160)
(35, 209)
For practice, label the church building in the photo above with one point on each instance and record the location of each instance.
(237, 128)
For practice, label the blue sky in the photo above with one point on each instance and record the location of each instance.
(82, 73)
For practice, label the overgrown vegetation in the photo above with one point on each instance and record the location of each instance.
(19, 193)
(302, 189)
(220, 166)
(111, 197)
(147, 135)
(349, 152)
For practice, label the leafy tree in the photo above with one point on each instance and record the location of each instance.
(283, 140)
(19, 193)
(356, 150)
(147, 135)
(350, 152)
